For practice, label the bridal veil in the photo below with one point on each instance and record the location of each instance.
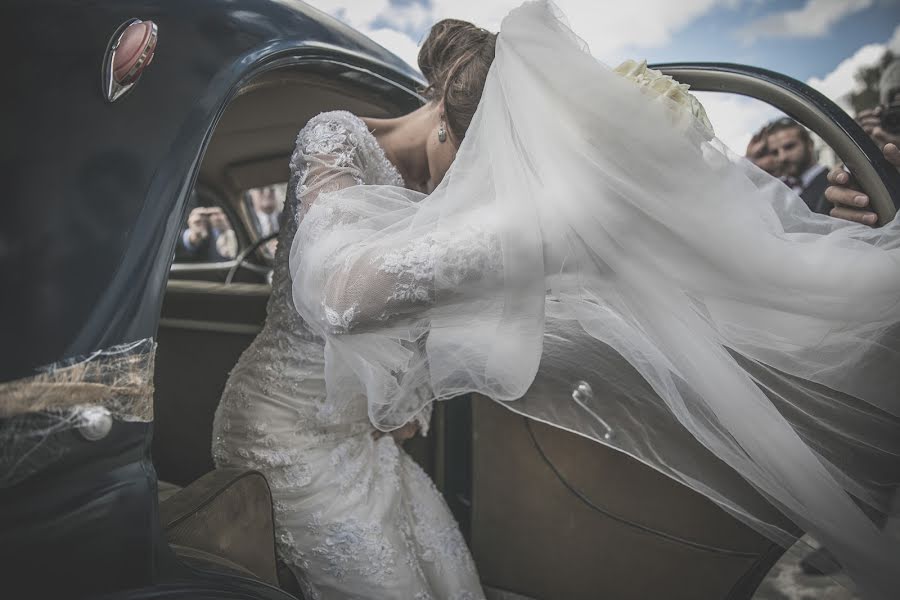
(596, 259)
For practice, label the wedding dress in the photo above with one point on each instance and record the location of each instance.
(355, 516)
(596, 259)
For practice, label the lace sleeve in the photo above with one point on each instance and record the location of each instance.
(326, 159)
(351, 275)
(384, 282)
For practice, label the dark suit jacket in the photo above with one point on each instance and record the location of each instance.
(258, 225)
(206, 252)
(814, 194)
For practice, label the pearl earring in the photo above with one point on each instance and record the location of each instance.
(442, 133)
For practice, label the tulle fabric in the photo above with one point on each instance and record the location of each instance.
(595, 261)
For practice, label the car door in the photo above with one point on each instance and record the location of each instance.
(542, 523)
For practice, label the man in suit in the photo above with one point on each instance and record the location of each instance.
(796, 160)
(265, 211)
(208, 237)
(760, 154)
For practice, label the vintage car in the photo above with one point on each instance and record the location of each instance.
(121, 117)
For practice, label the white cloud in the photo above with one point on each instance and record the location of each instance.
(607, 27)
(814, 19)
(840, 81)
(736, 118)
(894, 43)
(397, 42)
(356, 13)
(413, 18)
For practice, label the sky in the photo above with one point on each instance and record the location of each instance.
(820, 42)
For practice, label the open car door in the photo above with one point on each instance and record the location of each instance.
(540, 521)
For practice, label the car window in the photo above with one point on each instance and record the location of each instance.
(263, 206)
(207, 235)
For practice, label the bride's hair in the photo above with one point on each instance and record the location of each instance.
(455, 60)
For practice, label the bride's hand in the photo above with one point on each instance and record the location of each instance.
(404, 433)
(401, 434)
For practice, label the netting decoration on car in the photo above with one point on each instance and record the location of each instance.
(85, 393)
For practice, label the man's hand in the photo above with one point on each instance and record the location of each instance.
(198, 226)
(849, 203)
(870, 120)
(218, 219)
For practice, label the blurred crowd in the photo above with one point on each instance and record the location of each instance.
(210, 237)
(785, 149)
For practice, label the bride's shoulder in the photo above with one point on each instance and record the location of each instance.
(328, 131)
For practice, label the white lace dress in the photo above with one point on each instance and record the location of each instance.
(355, 517)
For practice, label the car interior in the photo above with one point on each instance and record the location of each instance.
(539, 521)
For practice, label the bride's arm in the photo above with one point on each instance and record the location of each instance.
(392, 280)
(347, 276)
(324, 160)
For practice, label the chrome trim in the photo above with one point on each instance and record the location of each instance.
(225, 266)
(192, 286)
(145, 57)
(112, 89)
(214, 326)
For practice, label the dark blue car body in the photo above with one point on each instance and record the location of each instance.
(94, 199)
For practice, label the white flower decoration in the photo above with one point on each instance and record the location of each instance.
(655, 83)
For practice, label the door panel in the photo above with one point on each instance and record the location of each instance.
(532, 535)
(204, 327)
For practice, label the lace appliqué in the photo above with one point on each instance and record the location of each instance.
(341, 320)
(351, 546)
(439, 261)
(439, 539)
(414, 267)
(353, 477)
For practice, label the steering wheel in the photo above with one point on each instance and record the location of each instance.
(247, 252)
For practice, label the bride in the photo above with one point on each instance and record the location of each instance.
(596, 259)
(356, 517)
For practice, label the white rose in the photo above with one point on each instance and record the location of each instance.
(659, 85)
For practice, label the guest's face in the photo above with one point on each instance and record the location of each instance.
(762, 156)
(793, 155)
(263, 199)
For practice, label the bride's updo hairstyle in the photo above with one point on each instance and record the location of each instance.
(455, 59)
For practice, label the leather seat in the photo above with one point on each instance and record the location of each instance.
(224, 520)
(227, 513)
